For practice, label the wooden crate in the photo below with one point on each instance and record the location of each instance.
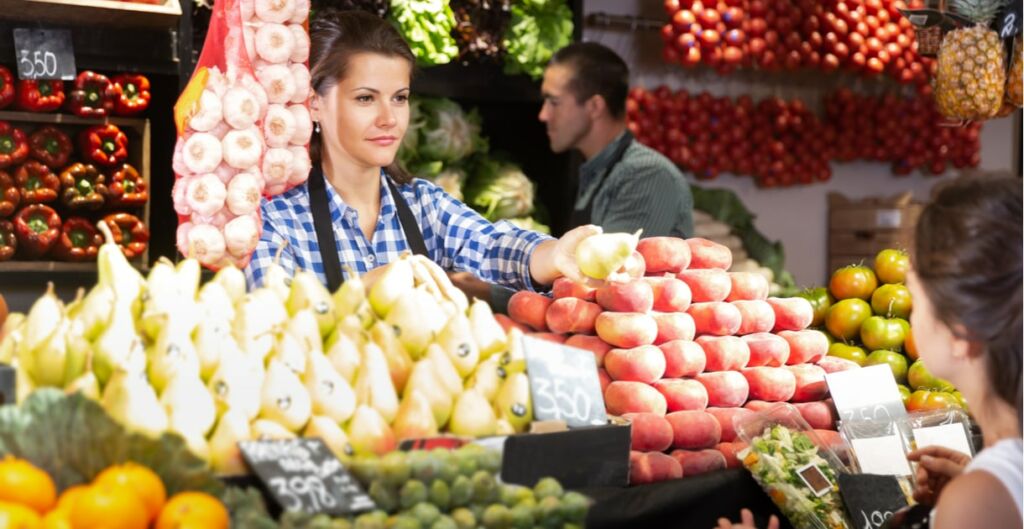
(859, 229)
(138, 132)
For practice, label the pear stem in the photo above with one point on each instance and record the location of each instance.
(108, 236)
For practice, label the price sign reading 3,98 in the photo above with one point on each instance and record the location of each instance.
(44, 54)
(564, 384)
(303, 475)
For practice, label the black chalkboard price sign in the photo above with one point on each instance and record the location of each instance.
(303, 475)
(44, 54)
(871, 499)
(1010, 21)
(564, 384)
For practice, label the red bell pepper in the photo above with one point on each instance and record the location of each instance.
(105, 145)
(40, 96)
(6, 87)
(132, 94)
(79, 241)
(129, 233)
(82, 187)
(50, 146)
(92, 96)
(126, 188)
(13, 145)
(9, 195)
(37, 228)
(8, 242)
(36, 183)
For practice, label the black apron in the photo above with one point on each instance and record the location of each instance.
(581, 217)
(318, 203)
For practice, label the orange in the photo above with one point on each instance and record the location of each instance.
(109, 507)
(16, 516)
(57, 519)
(187, 510)
(21, 482)
(140, 479)
(69, 496)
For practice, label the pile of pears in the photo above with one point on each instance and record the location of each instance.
(457, 489)
(363, 368)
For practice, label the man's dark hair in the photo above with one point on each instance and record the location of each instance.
(597, 70)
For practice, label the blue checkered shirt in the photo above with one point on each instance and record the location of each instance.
(456, 237)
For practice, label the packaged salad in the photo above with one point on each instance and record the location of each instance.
(794, 467)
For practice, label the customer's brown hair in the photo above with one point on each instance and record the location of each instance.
(967, 255)
(334, 37)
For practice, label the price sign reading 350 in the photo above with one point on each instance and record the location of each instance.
(564, 384)
(44, 54)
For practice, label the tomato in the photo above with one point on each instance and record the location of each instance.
(854, 281)
(924, 400)
(891, 266)
(910, 346)
(852, 353)
(845, 317)
(892, 300)
(904, 393)
(896, 362)
(920, 378)
(882, 333)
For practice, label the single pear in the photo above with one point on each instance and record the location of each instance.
(473, 416)
(258, 318)
(343, 354)
(86, 384)
(113, 269)
(266, 429)
(50, 357)
(79, 355)
(456, 339)
(369, 433)
(488, 377)
(488, 333)
(233, 281)
(196, 444)
(238, 384)
(399, 362)
(350, 295)
(396, 281)
(332, 435)
(417, 319)
(211, 338)
(445, 372)
(303, 326)
(173, 353)
(373, 384)
(278, 281)
(514, 360)
(307, 292)
(14, 321)
(284, 399)
(423, 381)
(117, 343)
(23, 384)
(161, 297)
(71, 309)
(215, 302)
(599, 256)
(131, 401)
(189, 273)
(225, 457)
(504, 428)
(95, 310)
(415, 418)
(42, 321)
(190, 407)
(331, 394)
(291, 352)
(513, 402)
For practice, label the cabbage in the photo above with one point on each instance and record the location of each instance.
(451, 180)
(500, 191)
(448, 133)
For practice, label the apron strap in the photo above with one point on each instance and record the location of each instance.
(324, 227)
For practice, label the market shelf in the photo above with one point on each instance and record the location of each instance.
(69, 119)
(54, 267)
(100, 12)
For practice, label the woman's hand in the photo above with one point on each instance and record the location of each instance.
(746, 522)
(936, 466)
(557, 258)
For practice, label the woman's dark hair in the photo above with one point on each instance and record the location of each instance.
(334, 37)
(967, 254)
(597, 70)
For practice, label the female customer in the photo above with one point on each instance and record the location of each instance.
(359, 209)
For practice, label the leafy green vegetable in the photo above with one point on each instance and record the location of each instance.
(538, 29)
(448, 133)
(500, 190)
(72, 438)
(427, 27)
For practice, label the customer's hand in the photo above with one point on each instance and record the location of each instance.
(936, 466)
(557, 258)
(746, 522)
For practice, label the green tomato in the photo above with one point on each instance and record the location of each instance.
(895, 361)
(920, 378)
(892, 301)
(845, 318)
(821, 301)
(852, 353)
(891, 266)
(904, 393)
(882, 333)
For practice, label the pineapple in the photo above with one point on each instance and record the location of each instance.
(971, 80)
(1014, 90)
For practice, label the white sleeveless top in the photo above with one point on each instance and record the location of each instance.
(1005, 461)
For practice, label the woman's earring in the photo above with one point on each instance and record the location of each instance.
(316, 127)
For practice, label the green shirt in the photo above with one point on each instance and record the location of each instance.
(644, 190)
